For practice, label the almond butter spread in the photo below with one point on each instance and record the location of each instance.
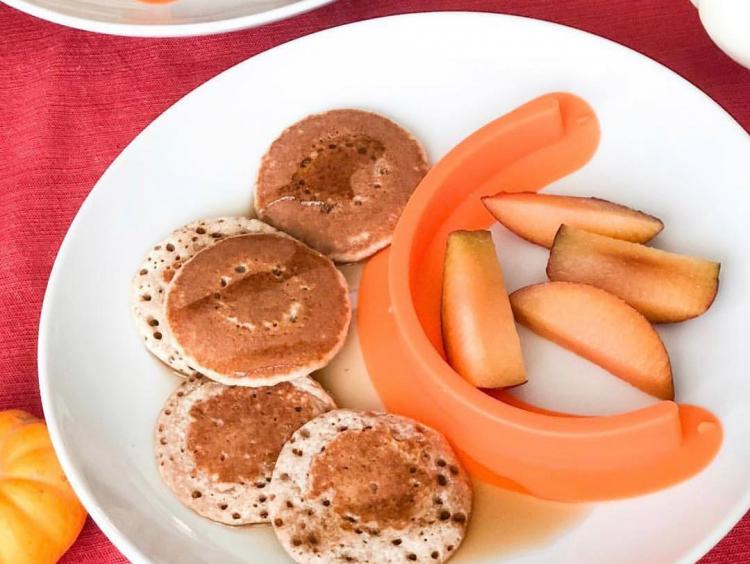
(339, 181)
(372, 476)
(238, 434)
(258, 305)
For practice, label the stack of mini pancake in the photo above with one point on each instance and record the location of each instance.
(246, 309)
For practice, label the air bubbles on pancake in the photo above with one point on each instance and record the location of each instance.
(293, 312)
(349, 485)
(258, 327)
(223, 475)
(159, 269)
(323, 181)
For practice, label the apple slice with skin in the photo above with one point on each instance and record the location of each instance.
(599, 327)
(537, 217)
(665, 287)
(479, 332)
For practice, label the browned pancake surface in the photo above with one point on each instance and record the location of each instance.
(149, 289)
(339, 181)
(375, 478)
(217, 445)
(257, 308)
(369, 487)
(236, 435)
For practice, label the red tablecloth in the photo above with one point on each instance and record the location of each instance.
(70, 101)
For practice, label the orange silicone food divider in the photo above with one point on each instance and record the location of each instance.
(549, 455)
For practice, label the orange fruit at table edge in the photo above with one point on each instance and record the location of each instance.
(40, 516)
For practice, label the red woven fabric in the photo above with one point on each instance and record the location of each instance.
(70, 101)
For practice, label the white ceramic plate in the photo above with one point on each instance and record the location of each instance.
(666, 148)
(175, 18)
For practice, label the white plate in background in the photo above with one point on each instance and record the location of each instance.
(175, 18)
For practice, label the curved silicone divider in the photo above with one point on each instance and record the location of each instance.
(549, 455)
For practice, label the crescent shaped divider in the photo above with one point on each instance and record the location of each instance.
(503, 440)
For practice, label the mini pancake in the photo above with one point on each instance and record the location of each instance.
(257, 309)
(159, 267)
(339, 181)
(369, 487)
(216, 445)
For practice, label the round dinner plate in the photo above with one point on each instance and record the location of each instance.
(164, 18)
(665, 148)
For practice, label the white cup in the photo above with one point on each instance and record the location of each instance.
(728, 24)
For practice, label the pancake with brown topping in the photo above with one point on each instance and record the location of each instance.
(257, 309)
(216, 445)
(149, 288)
(339, 181)
(369, 487)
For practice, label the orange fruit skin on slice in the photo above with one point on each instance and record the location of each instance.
(665, 287)
(479, 332)
(537, 217)
(600, 327)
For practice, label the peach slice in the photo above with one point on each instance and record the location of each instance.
(537, 217)
(479, 332)
(665, 287)
(599, 327)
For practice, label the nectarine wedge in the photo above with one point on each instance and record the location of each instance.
(479, 332)
(537, 217)
(665, 287)
(599, 327)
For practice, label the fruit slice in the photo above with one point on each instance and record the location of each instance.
(479, 333)
(665, 287)
(599, 327)
(537, 217)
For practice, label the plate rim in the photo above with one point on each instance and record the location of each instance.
(167, 30)
(81, 488)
